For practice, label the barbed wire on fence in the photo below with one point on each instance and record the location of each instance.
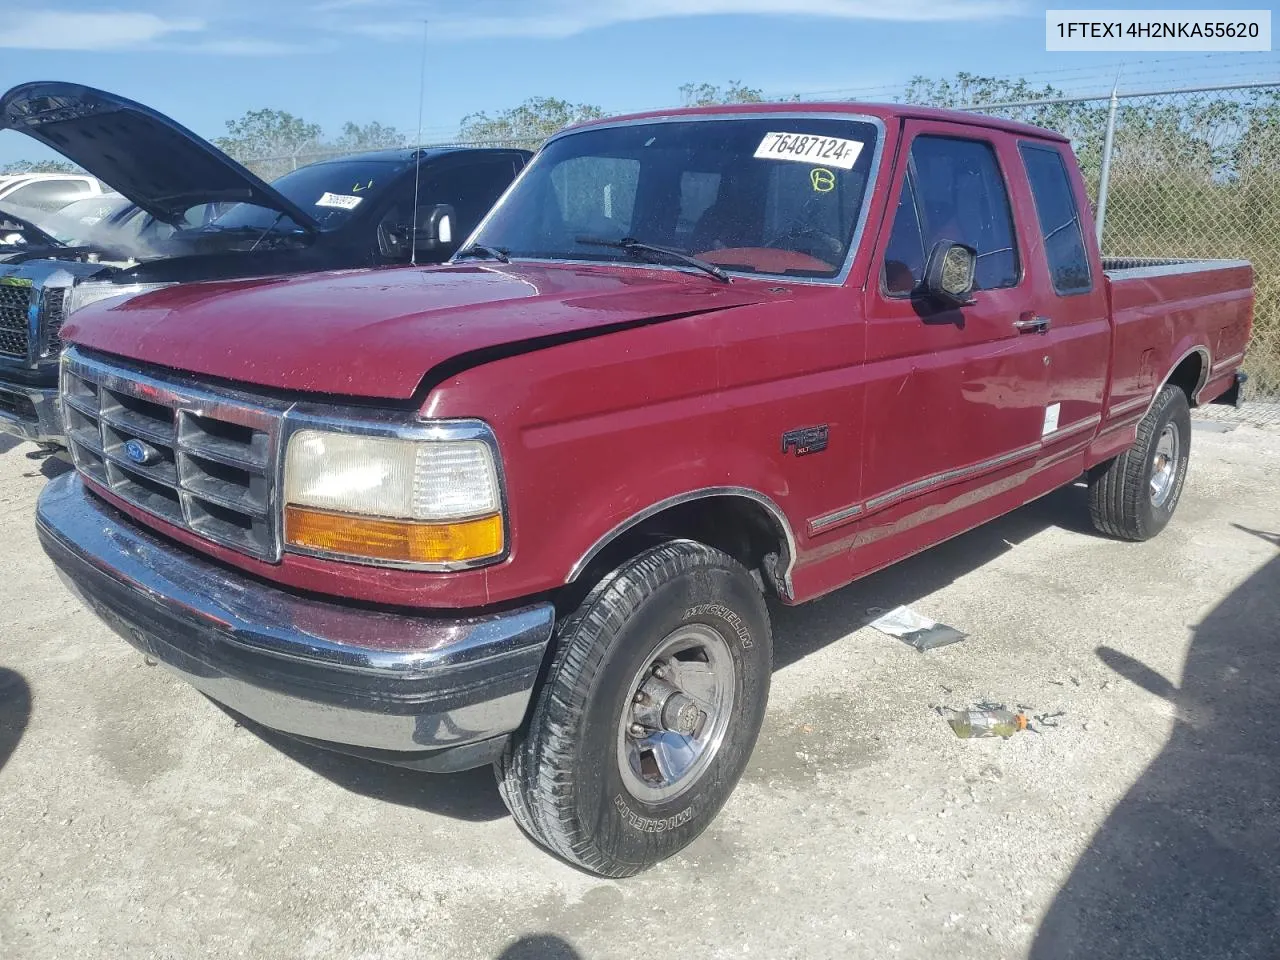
(1194, 172)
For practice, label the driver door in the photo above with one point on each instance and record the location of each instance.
(956, 398)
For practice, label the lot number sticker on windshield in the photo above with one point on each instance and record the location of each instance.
(340, 200)
(808, 148)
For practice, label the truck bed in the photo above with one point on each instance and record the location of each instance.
(1169, 311)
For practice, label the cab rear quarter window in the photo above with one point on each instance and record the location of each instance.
(1059, 218)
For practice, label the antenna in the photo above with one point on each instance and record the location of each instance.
(417, 153)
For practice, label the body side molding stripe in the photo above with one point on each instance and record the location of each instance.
(1128, 405)
(837, 517)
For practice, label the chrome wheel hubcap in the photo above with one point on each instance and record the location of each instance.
(1164, 465)
(677, 710)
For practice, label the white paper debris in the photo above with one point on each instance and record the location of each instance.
(916, 629)
(901, 621)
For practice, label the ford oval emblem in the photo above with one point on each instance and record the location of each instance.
(141, 453)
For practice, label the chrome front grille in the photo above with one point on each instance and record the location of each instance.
(15, 301)
(201, 459)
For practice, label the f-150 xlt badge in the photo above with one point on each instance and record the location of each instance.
(805, 440)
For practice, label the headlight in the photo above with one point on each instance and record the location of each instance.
(383, 499)
(83, 294)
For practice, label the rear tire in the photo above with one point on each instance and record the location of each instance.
(648, 714)
(1133, 496)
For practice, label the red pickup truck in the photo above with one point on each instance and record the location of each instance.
(526, 508)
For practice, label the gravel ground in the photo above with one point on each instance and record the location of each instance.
(137, 820)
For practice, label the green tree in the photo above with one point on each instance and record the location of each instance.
(529, 123)
(39, 166)
(707, 94)
(970, 90)
(1084, 122)
(370, 136)
(270, 135)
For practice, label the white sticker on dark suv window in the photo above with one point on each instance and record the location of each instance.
(809, 148)
(340, 200)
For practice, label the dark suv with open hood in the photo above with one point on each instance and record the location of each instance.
(353, 211)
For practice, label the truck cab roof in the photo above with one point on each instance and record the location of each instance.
(886, 112)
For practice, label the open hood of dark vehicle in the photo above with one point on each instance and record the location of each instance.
(158, 164)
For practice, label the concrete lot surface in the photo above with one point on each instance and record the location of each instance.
(138, 820)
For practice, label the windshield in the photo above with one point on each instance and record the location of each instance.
(330, 191)
(762, 194)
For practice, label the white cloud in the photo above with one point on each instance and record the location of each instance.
(67, 30)
(553, 19)
(249, 47)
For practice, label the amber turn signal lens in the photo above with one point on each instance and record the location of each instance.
(402, 541)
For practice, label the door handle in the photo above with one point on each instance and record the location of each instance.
(1032, 323)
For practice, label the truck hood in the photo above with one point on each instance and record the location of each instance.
(158, 164)
(378, 333)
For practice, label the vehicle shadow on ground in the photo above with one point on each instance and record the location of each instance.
(540, 946)
(800, 631)
(471, 795)
(1187, 866)
(8, 442)
(15, 712)
(52, 466)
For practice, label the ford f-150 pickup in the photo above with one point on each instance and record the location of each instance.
(526, 508)
(199, 215)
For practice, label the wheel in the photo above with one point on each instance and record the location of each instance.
(1134, 495)
(648, 714)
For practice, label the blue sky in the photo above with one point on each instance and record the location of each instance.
(206, 61)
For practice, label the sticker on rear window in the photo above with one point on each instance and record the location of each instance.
(808, 148)
(340, 200)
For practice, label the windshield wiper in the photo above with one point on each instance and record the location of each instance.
(632, 245)
(480, 250)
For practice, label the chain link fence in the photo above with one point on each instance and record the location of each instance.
(1193, 173)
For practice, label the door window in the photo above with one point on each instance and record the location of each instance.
(1059, 219)
(954, 191)
(904, 257)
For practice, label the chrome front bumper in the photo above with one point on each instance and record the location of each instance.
(32, 413)
(439, 693)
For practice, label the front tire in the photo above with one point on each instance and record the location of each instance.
(1133, 496)
(648, 714)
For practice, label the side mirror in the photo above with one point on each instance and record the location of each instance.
(949, 272)
(437, 227)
